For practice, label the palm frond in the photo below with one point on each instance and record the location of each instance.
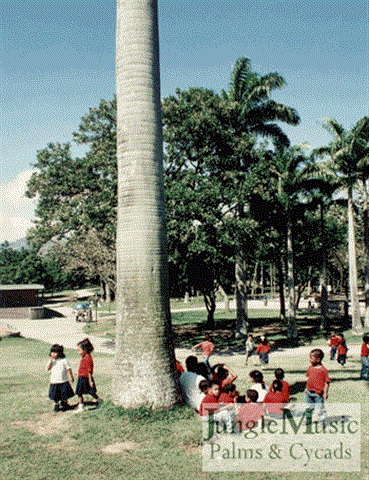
(333, 127)
(361, 129)
(272, 131)
(271, 111)
(241, 78)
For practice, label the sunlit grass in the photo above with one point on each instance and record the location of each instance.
(38, 444)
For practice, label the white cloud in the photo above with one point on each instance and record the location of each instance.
(16, 211)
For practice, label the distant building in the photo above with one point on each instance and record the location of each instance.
(20, 295)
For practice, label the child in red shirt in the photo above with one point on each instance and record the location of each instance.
(275, 399)
(364, 375)
(210, 405)
(207, 348)
(224, 375)
(85, 382)
(342, 350)
(229, 394)
(212, 394)
(318, 381)
(179, 367)
(251, 412)
(333, 343)
(279, 375)
(263, 350)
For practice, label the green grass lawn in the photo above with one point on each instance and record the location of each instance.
(38, 444)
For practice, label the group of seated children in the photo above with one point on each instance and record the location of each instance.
(245, 410)
(212, 390)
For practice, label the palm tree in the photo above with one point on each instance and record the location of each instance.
(144, 361)
(250, 108)
(252, 113)
(349, 152)
(289, 166)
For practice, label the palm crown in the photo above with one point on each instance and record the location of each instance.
(249, 104)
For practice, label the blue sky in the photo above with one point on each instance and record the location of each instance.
(57, 61)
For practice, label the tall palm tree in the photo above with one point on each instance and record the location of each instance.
(349, 153)
(252, 113)
(144, 361)
(289, 167)
(320, 185)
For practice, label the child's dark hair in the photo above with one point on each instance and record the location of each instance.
(191, 363)
(201, 369)
(366, 338)
(258, 377)
(279, 373)
(86, 345)
(263, 339)
(204, 385)
(59, 349)
(318, 353)
(277, 386)
(229, 387)
(222, 372)
(252, 395)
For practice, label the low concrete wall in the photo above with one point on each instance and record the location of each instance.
(36, 312)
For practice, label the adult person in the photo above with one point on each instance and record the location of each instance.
(189, 383)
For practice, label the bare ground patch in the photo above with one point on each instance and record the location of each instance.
(46, 424)
(120, 447)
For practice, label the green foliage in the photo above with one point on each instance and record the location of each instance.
(227, 192)
(25, 266)
(77, 198)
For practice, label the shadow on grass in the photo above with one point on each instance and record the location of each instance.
(226, 343)
(297, 387)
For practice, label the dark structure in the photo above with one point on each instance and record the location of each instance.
(20, 295)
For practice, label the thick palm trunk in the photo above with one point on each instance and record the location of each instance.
(355, 307)
(144, 361)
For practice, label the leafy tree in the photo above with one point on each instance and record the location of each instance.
(9, 261)
(77, 196)
(25, 266)
(197, 143)
(252, 113)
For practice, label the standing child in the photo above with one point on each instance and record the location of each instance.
(60, 389)
(263, 350)
(85, 382)
(364, 375)
(333, 344)
(318, 381)
(250, 349)
(207, 348)
(342, 350)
